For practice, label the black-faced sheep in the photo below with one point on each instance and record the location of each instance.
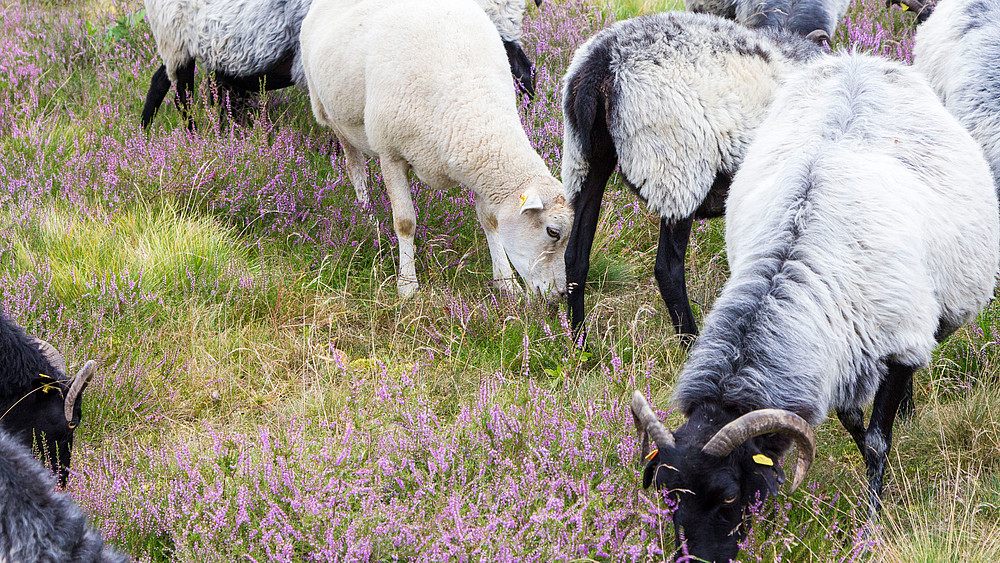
(816, 19)
(858, 238)
(37, 523)
(957, 49)
(253, 44)
(424, 85)
(673, 100)
(39, 404)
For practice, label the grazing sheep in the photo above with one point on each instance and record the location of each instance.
(673, 100)
(424, 85)
(957, 49)
(37, 523)
(39, 404)
(254, 44)
(247, 44)
(858, 237)
(816, 19)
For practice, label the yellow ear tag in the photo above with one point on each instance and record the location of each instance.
(762, 459)
(905, 7)
(651, 455)
(44, 376)
(523, 198)
(47, 387)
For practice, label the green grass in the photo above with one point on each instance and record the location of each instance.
(212, 321)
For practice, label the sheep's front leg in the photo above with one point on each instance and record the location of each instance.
(502, 271)
(404, 221)
(878, 437)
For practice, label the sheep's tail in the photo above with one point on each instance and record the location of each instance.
(585, 100)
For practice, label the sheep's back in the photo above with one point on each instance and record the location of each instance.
(433, 87)
(864, 228)
(240, 37)
(685, 92)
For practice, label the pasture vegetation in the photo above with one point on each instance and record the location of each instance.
(265, 396)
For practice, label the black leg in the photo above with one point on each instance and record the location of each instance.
(587, 209)
(854, 421)
(185, 87)
(159, 85)
(520, 67)
(907, 406)
(878, 438)
(669, 273)
(240, 92)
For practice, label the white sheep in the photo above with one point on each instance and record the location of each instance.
(859, 237)
(254, 44)
(958, 49)
(673, 100)
(425, 85)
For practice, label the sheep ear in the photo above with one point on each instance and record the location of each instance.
(530, 200)
(44, 382)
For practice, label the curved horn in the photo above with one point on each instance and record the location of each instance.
(819, 36)
(51, 355)
(647, 424)
(76, 388)
(766, 421)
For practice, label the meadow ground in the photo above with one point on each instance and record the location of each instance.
(265, 396)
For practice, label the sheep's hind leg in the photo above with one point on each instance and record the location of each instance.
(159, 85)
(669, 273)
(878, 437)
(854, 422)
(502, 271)
(357, 171)
(185, 87)
(404, 221)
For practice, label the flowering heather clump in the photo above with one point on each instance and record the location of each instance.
(391, 480)
(872, 28)
(263, 395)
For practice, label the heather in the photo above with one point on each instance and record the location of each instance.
(265, 396)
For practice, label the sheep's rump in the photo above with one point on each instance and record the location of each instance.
(683, 93)
(856, 233)
(957, 49)
(238, 37)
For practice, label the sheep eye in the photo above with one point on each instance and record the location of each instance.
(554, 233)
(72, 425)
(730, 500)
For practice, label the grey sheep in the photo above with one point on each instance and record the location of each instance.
(39, 524)
(672, 100)
(859, 237)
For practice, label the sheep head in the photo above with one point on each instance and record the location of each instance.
(714, 470)
(534, 230)
(46, 417)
